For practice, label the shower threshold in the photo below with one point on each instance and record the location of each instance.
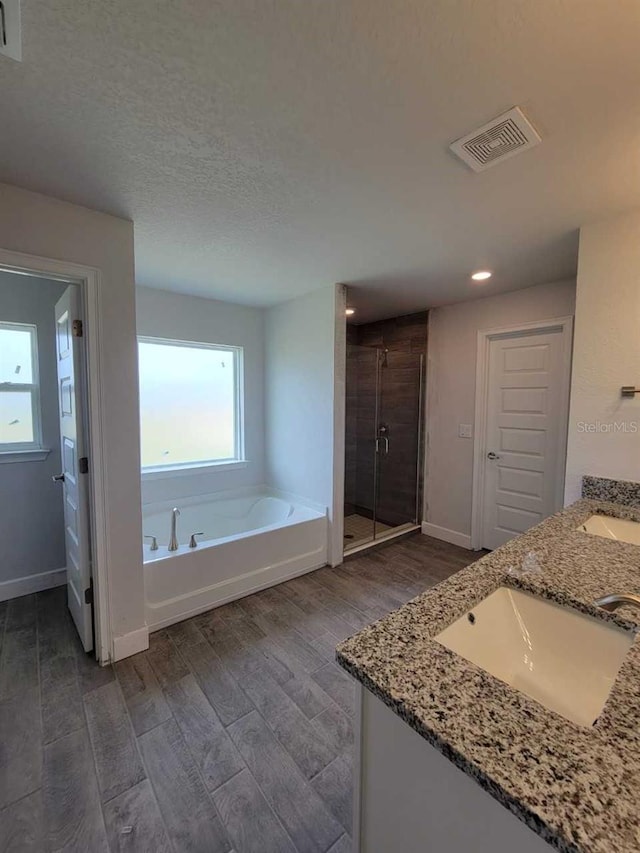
(388, 534)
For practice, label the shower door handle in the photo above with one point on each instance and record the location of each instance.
(386, 444)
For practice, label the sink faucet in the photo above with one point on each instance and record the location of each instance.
(618, 599)
(173, 541)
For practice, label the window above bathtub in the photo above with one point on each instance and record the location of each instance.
(191, 406)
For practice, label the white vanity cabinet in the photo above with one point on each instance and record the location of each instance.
(411, 799)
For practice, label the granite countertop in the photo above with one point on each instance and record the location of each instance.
(578, 788)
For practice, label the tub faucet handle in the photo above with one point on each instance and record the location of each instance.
(192, 541)
(154, 541)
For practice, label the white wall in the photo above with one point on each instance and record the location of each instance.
(606, 354)
(191, 318)
(42, 226)
(450, 398)
(300, 387)
(32, 520)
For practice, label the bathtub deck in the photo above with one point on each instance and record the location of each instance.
(233, 732)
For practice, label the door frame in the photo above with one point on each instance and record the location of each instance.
(485, 336)
(89, 280)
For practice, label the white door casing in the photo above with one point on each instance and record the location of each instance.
(72, 450)
(522, 404)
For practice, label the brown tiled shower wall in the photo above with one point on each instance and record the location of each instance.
(405, 338)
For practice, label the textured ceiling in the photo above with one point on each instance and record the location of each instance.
(268, 148)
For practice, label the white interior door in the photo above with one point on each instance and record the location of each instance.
(74, 482)
(526, 424)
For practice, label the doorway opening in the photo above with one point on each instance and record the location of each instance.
(384, 429)
(52, 523)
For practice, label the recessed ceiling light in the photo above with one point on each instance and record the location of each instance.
(481, 275)
(350, 311)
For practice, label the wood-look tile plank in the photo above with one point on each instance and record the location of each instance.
(20, 746)
(332, 622)
(145, 701)
(62, 710)
(326, 646)
(337, 684)
(289, 640)
(238, 657)
(370, 598)
(342, 608)
(165, 659)
(185, 633)
(56, 653)
(73, 817)
(134, 823)
(303, 622)
(118, 763)
(19, 666)
(191, 820)
(219, 686)
(342, 845)
(280, 661)
(301, 811)
(22, 826)
(335, 785)
(90, 674)
(19, 660)
(304, 742)
(263, 833)
(337, 727)
(211, 747)
(308, 696)
(21, 613)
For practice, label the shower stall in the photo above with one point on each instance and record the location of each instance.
(384, 434)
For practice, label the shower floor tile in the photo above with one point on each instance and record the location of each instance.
(358, 530)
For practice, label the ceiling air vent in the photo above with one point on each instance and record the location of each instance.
(497, 140)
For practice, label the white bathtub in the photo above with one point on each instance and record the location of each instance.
(248, 542)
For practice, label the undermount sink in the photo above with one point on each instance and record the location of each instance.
(561, 658)
(612, 528)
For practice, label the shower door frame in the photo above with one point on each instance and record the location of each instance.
(409, 526)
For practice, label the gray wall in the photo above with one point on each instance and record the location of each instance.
(299, 362)
(31, 521)
(606, 355)
(451, 391)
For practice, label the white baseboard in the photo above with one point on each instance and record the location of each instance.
(32, 583)
(451, 536)
(130, 644)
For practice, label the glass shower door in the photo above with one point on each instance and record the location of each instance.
(382, 446)
(360, 445)
(400, 381)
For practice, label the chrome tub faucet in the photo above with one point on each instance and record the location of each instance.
(173, 541)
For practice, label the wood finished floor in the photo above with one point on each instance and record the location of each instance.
(233, 732)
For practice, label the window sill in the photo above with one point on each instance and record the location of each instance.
(36, 454)
(191, 470)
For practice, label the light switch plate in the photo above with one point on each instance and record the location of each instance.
(465, 430)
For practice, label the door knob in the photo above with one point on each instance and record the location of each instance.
(492, 455)
(58, 478)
